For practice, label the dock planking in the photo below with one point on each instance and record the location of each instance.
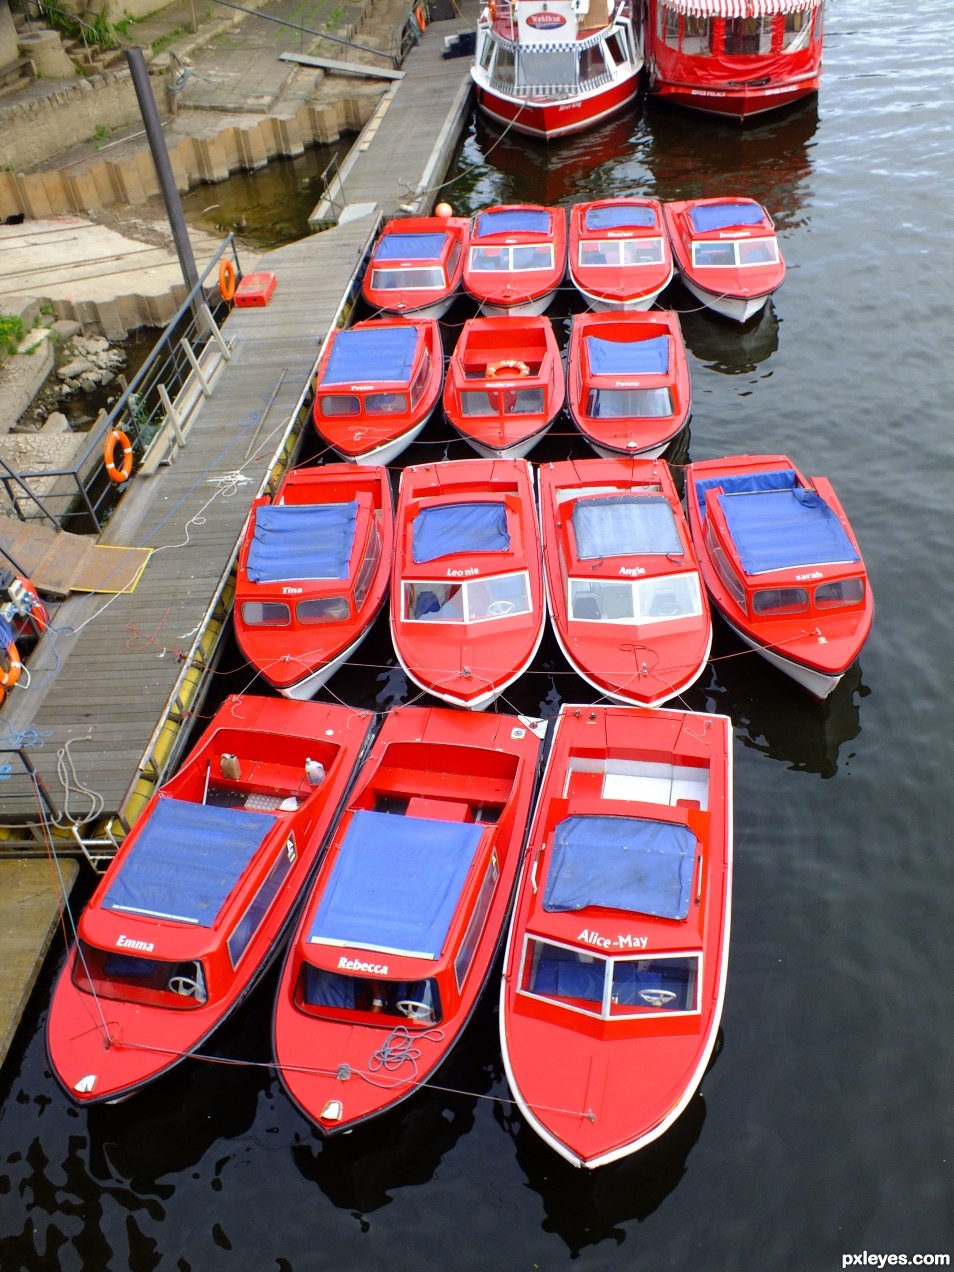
(102, 680)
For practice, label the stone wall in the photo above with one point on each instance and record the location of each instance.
(132, 179)
(8, 35)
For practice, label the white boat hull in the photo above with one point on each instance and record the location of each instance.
(526, 308)
(306, 688)
(818, 683)
(736, 308)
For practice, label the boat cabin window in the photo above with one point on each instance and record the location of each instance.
(420, 278)
(475, 926)
(610, 987)
(691, 34)
(321, 991)
(258, 908)
(840, 592)
(726, 570)
(323, 609)
(779, 601)
(748, 36)
(593, 66)
(620, 404)
(421, 379)
(136, 978)
(476, 600)
(372, 555)
(796, 30)
(266, 614)
(737, 253)
(482, 402)
(547, 70)
(505, 68)
(511, 259)
(389, 403)
(337, 404)
(617, 252)
(643, 600)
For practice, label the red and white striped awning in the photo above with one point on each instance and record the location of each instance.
(738, 8)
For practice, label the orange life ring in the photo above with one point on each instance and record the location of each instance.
(38, 615)
(118, 438)
(493, 10)
(421, 20)
(227, 279)
(509, 367)
(10, 677)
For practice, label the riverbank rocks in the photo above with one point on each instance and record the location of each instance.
(93, 365)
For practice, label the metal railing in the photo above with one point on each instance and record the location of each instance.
(82, 496)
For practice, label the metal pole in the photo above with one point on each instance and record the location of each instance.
(160, 157)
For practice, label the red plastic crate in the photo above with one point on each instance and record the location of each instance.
(255, 290)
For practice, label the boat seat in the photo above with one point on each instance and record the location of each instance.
(567, 978)
(426, 603)
(586, 607)
(664, 604)
(629, 979)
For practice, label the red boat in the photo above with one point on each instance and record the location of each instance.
(313, 573)
(555, 68)
(417, 265)
(376, 385)
(781, 564)
(201, 893)
(628, 386)
(615, 969)
(467, 604)
(619, 256)
(623, 586)
(517, 258)
(726, 252)
(731, 59)
(504, 385)
(398, 938)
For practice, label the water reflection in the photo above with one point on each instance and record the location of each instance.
(776, 717)
(361, 1170)
(584, 1207)
(719, 344)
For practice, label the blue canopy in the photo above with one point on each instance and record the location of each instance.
(396, 883)
(186, 860)
(779, 529)
(449, 529)
(371, 353)
(302, 542)
(409, 247)
(624, 525)
(719, 216)
(630, 357)
(734, 483)
(621, 863)
(513, 221)
(623, 216)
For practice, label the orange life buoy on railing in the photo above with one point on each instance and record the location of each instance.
(226, 279)
(10, 677)
(118, 473)
(509, 367)
(421, 19)
(492, 6)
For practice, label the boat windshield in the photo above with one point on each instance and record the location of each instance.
(323, 992)
(134, 977)
(617, 252)
(510, 401)
(323, 609)
(620, 404)
(470, 601)
(735, 253)
(416, 279)
(610, 987)
(511, 259)
(647, 600)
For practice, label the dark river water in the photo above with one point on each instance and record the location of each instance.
(825, 1126)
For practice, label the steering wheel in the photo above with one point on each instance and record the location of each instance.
(187, 986)
(415, 1010)
(496, 608)
(656, 997)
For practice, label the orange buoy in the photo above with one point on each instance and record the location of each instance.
(509, 367)
(118, 472)
(444, 210)
(227, 279)
(10, 677)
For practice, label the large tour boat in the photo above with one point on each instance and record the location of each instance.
(734, 58)
(547, 68)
